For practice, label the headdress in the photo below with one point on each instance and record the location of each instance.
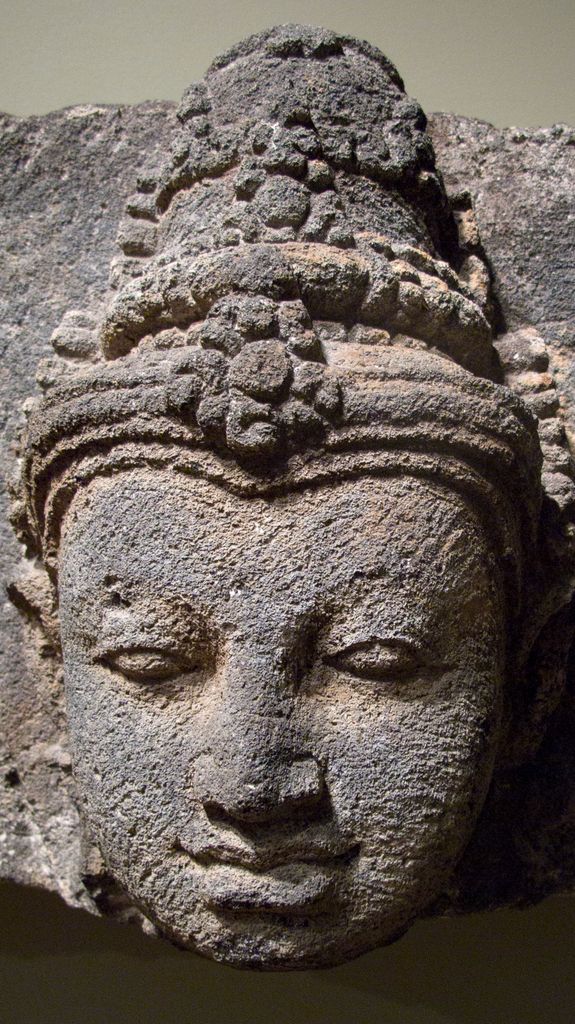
(292, 295)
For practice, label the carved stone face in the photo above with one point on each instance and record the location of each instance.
(283, 711)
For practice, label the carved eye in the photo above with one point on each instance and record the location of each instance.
(146, 664)
(380, 659)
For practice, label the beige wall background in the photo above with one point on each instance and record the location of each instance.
(509, 62)
(506, 61)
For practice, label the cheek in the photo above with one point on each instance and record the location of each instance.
(399, 770)
(133, 761)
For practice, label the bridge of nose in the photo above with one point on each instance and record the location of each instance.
(257, 762)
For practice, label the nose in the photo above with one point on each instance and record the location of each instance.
(257, 789)
(256, 767)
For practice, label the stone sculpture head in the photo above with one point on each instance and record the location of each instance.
(294, 520)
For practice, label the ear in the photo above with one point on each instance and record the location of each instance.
(539, 686)
(34, 595)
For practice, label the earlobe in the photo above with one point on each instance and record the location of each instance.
(32, 592)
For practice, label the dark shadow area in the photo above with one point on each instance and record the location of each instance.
(60, 966)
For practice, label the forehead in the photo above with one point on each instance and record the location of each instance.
(164, 527)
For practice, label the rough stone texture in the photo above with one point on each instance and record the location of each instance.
(65, 179)
(309, 562)
(522, 182)
(522, 185)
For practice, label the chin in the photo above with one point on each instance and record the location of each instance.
(260, 940)
(280, 943)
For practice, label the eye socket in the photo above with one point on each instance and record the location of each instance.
(147, 665)
(386, 660)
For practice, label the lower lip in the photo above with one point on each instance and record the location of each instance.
(297, 887)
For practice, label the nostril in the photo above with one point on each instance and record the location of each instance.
(252, 808)
(280, 794)
(305, 782)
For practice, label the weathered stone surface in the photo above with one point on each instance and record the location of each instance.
(522, 185)
(522, 182)
(305, 563)
(65, 178)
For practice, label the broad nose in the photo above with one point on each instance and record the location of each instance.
(258, 788)
(256, 767)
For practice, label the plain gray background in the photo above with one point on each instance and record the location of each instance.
(509, 62)
(506, 61)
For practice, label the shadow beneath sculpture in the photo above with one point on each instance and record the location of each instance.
(483, 966)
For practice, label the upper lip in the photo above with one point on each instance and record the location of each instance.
(241, 854)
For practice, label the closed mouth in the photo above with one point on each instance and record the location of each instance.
(295, 882)
(259, 863)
